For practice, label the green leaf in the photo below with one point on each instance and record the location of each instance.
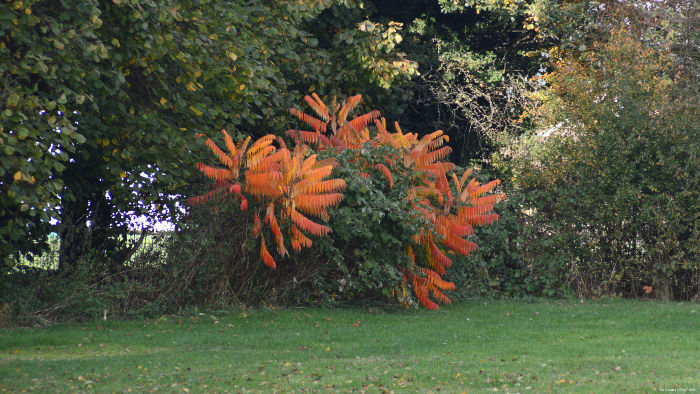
(12, 100)
(22, 132)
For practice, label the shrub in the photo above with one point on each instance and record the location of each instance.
(402, 221)
(613, 194)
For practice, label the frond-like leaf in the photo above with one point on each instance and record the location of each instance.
(259, 150)
(349, 105)
(317, 204)
(484, 219)
(434, 279)
(459, 245)
(318, 106)
(275, 228)
(461, 230)
(221, 155)
(256, 225)
(316, 124)
(229, 143)
(299, 240)
(317, 174)
(438, 294)
(304, 224)
(312, 186)
(360, 122)
(487, 187)
(330, 161)
(305, 137)
(466, 214)
(439, 259)
(466, 173)
(421, 291)
(488, 200)
(266, 256)
(308, 164)
(217, 175)
(387, 174)
(206, 196)
(438, 154)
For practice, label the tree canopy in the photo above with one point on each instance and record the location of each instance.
(101, 98)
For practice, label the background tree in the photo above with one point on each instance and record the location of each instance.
(473, 60)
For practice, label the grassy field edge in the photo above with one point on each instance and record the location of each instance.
(609, 345)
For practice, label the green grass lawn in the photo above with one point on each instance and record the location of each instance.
(602, 346)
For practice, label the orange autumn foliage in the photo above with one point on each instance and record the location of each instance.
(290, 184)
(290, 191)
(452, 216)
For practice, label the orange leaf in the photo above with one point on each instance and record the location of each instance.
(316, 124)
(276, 231)
(221, 155)
(307, 225)
(299, 240)
(266, 256)
(256, 225)
(316, 204)
(387, 174)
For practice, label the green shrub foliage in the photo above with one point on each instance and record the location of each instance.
(613, 190)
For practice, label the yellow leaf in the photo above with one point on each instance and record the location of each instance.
(196, 111)
(233, 56)
(163, 101)
(18, 176)
(241, 87)
(28, 11)
(122, 174)
(197, 74)
(190, 86)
